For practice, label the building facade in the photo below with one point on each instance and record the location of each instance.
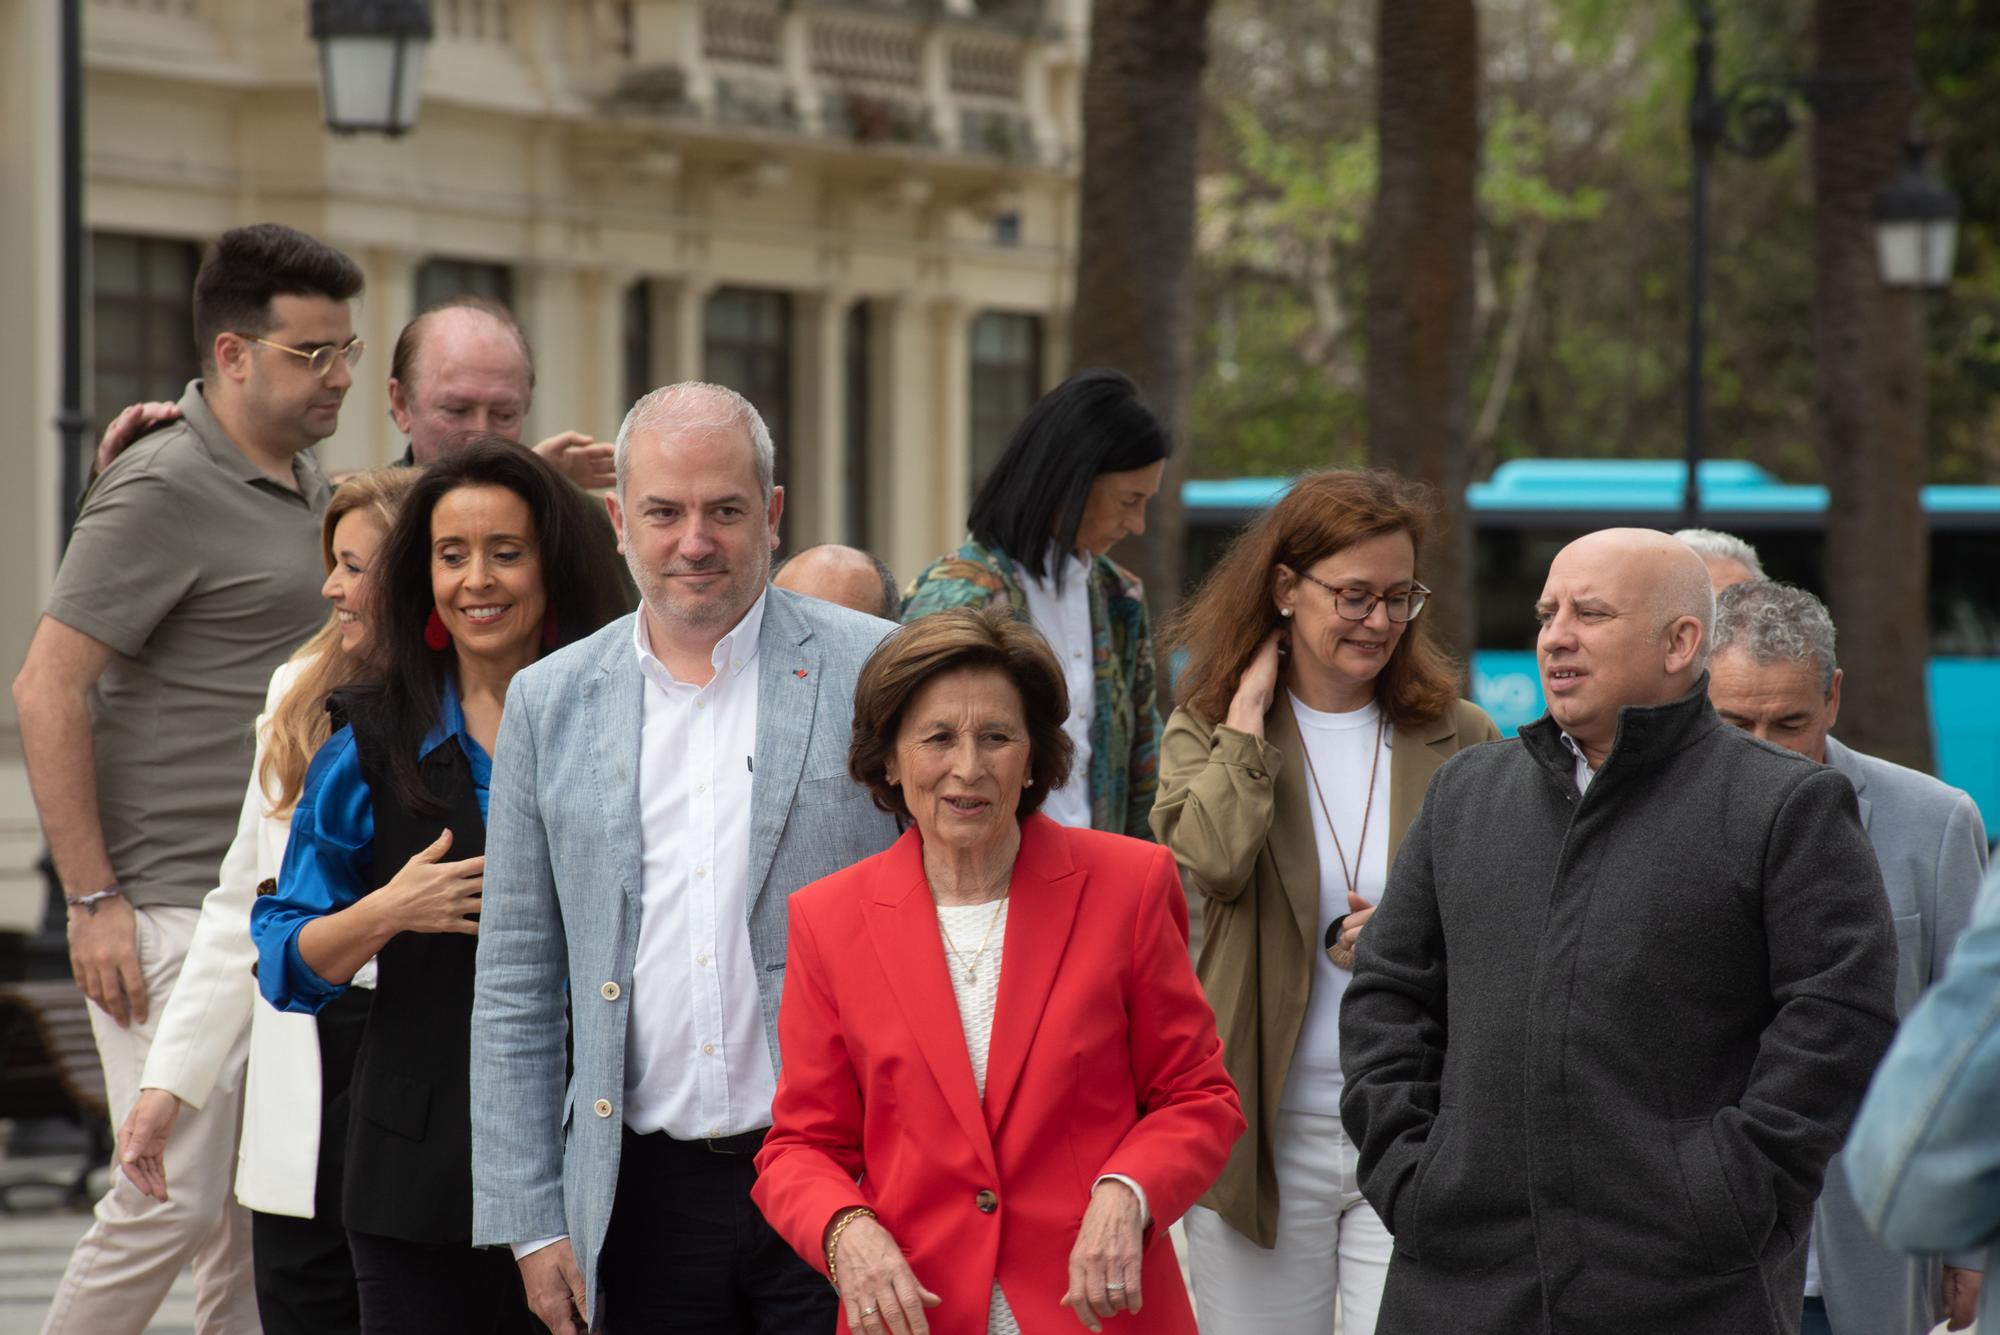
(860, 214)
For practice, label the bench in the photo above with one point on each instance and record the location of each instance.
(49, 1068)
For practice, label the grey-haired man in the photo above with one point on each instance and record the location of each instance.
(659, 791)
(1774, 674)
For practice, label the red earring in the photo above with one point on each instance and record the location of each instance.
(549, 630)
(435, 635)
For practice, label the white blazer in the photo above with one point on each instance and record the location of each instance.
(199, 1046)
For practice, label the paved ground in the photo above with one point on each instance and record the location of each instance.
(35, 1240)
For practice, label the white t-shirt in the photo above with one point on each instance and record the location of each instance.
(1063, 618)
(1342, 749)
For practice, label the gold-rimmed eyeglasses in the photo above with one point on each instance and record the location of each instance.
(1359, 604)
(318, 360)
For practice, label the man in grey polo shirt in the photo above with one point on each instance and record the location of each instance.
(193, 573)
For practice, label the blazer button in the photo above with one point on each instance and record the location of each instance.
(602, 1107)
(610, 991)
(986, 1201)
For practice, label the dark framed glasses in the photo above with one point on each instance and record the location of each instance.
(1359, 604)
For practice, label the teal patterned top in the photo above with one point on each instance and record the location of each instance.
(1125, 727)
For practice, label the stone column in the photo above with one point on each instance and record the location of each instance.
(30, 371)
(607, 397)
(368, 437)
(814, 496)
(551, 310)
(907, 527)
(679, 311)
(950, 378)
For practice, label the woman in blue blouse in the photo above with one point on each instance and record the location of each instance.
(493, 562)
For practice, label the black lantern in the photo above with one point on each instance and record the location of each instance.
(1916, 226)
(371, 62)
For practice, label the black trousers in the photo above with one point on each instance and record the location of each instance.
(688, 1252)
(421, 1288)
(303, 1274)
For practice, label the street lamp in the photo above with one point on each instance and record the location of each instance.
(1916, 216)
(371, 63)
(1916, 225)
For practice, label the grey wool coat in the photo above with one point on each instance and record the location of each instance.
(1600, 1046)
(559, 924)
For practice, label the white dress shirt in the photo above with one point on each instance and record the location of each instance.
(1063, 617)
(1585, 771)
(696, 1061)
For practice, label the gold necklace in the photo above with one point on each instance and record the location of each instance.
(971, 967)
(1342, 956)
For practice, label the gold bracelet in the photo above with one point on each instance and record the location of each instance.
(833, 1240)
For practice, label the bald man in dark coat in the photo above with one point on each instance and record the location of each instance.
(1622, 995)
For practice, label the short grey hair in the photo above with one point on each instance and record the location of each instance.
(696, 406)
(1714, 545)
(1777, 623)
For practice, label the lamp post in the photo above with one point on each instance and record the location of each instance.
(70, 421)
(371, 63)
(1916, 225)
(1916, 216)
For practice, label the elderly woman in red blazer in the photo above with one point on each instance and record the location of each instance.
(1001, 1082)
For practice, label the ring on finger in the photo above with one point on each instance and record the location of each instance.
(1114, 1287)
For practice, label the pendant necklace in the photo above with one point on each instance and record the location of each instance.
(1341, 955)
(970, 967)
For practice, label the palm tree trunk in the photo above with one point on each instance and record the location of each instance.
(1868, 344)
(1420, 276)
(1135, 243)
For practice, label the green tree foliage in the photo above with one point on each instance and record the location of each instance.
(1582, 263)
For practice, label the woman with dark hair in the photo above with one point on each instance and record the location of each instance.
(1074, 481)
(491, 564)
(1313, 712)
(1000, 1078)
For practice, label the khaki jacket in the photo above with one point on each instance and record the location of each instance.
(1236, 812)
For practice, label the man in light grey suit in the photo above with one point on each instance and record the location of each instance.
(1774, 675)
(659, 790)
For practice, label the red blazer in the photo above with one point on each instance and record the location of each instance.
(1104, 1059)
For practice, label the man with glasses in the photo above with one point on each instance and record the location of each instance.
(1622, 995)
(193, 572)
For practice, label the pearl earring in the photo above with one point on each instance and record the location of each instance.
(1285, 612)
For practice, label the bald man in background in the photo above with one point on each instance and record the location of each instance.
(1622, 995)
(848, 576)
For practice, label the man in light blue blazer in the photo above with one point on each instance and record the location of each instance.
(1774, 674)
(659, 790)
(1924, 1157)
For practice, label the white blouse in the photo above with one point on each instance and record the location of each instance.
(1342, 748)
(1063, 617)
(962, 926)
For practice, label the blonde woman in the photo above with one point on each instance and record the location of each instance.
(295, 1102)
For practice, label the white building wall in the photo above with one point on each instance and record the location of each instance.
(204, 114)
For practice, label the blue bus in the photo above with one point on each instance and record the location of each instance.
(1531, 508)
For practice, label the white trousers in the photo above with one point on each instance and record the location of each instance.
(1331, 1245)
(124, 1265)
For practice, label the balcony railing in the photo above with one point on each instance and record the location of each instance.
(962, 76)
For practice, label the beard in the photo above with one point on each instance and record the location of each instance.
(713, 610)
